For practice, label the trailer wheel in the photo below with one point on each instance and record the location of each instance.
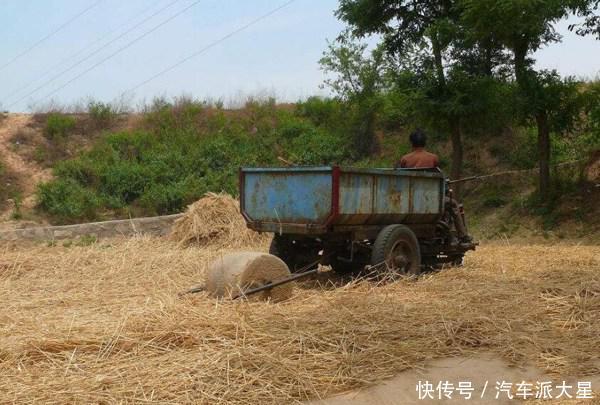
(295, 253)
(396, 249)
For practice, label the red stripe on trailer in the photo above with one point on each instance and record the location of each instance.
(335, 194)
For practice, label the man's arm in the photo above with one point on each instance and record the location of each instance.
(400, 164)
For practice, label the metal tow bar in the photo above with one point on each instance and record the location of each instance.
(303, 272)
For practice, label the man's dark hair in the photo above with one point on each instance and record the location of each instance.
(418, 139)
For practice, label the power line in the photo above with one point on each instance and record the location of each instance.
(60, 28)
(145, 34)
(77, 53)
(102, 48)
(209, 46)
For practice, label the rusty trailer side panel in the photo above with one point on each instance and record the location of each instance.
(387, 197)
(317, 200)
(297, 197)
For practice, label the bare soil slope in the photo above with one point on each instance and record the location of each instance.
(28, 172)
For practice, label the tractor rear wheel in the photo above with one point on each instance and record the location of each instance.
(396, 250)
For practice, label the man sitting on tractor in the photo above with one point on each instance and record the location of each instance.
(420, 158)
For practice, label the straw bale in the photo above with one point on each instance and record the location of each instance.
(232, 274)
(214, 220)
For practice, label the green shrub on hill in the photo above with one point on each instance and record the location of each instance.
(58, 126)
(185, 150)
(101, 114)
(185, 147)
(68, 201)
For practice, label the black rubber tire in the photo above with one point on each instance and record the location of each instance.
(394, 237)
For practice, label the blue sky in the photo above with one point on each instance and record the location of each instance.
(278, 56)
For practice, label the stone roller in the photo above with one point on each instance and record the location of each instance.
(242, 274)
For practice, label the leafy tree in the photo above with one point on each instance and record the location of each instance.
(357, 79)
(592, 109)
(449, 72)
(523, 27)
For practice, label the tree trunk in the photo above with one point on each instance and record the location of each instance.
(541, 119)
(437, 58)
(457, 154)
(527, 81)
(365, 142)
(520, 53)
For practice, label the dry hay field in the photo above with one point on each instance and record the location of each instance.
(104, 323)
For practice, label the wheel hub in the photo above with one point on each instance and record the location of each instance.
(400, 261)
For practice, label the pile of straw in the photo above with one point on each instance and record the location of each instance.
(214, 220)
(105, 324)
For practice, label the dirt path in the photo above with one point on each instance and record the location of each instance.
(476, 371)
(29, 172)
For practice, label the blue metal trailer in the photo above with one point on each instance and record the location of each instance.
(352, 217)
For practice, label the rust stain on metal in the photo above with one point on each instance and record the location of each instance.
(396, 198)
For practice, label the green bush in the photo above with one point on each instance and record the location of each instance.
(40, 154)
(494, 202)
(394, 110)
(320, 148)
(185, 150)
(17, 214)
(101, 114)
(68, 201)
(182, 114)
(354, 122)
(58, 126)
(125, 181)
(161, 199)
(321, 111)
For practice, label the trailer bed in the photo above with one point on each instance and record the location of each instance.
(317, 200)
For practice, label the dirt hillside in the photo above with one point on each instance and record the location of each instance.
(27, 172)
